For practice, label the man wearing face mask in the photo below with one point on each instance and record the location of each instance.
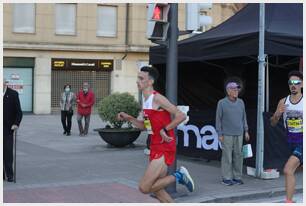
(67, 102)
(12, 116)
(85, 101)
(291, 109)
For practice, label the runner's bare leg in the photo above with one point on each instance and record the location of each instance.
(162, 183)
(162, 194)
(151, 180)
(289, 170)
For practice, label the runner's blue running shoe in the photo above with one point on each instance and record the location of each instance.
(186, 179)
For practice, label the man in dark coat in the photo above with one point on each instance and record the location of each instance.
(12, 116)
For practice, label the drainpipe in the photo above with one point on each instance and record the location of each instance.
(126, 30)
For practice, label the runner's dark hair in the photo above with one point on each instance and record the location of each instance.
(153, 73)
(295, 73)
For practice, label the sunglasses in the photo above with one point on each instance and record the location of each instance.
(294, 82)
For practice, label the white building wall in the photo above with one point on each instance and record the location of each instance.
(124, 79)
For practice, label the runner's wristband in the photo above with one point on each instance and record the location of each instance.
(165, 130)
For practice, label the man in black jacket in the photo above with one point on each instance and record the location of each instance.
(12, 116)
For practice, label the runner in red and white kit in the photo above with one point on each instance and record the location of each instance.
(157, 112)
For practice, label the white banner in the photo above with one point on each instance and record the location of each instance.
(202, 136)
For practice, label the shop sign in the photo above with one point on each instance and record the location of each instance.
(107, 65)
(15, 76)
(83, 64)
(58, 64)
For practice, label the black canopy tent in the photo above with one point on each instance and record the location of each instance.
(238, 36)
(231, 49)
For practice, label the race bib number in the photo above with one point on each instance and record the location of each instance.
(295, 125)
(148, 126)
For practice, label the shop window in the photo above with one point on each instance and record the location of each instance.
(24, 18)
(65, 19)
(107, 21)
(98, 81)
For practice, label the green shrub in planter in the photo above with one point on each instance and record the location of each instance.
(111, 105)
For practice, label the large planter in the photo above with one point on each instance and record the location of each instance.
(118, 137)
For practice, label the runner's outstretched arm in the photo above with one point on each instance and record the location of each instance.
(137, 123)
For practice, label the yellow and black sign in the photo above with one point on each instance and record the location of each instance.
(83, 64)
(58, 64)
(106, 64)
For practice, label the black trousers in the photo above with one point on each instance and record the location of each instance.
(8, 142)
(66, 117)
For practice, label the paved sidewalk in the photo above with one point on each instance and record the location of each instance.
(52, 167)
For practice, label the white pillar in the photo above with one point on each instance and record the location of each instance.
(42, 86)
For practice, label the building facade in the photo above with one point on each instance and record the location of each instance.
(46, 46)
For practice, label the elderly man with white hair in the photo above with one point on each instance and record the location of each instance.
(231, 126)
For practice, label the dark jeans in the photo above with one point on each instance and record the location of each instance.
(66, 117)
(87, 120)
(8, 155)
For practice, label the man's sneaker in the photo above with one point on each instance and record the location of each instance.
(227, 182)
(237, 182)
(146, 151)
(186, 179)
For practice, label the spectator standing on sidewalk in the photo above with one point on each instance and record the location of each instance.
(67, 103)
(291, 108)
(12, 116)
(231, 126)
(85, 101)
